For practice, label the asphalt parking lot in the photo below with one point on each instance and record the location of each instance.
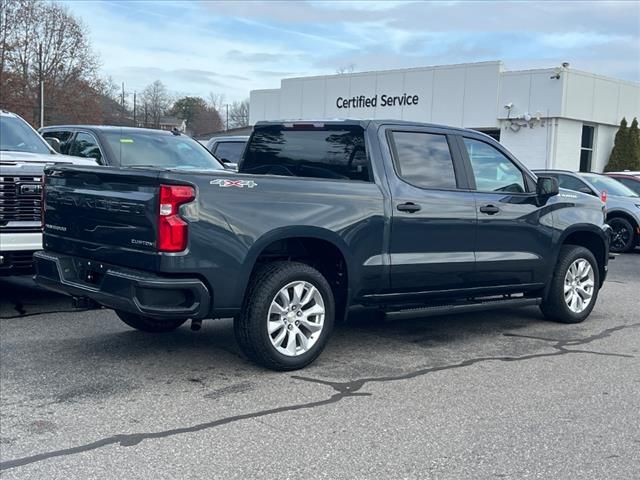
(491, 395)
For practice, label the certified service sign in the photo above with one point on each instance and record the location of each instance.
(372, 102)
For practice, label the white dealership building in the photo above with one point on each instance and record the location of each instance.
(549, 118)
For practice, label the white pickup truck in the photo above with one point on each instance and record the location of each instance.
(23, 156)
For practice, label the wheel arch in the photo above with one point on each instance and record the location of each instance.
(623, 214)
(296, 243)
(593, 239)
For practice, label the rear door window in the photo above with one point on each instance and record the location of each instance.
(331, 152)
(229, 151)
(424, 159)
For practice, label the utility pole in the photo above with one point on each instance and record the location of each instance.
(227, 123)
(41, 85)
(123, 101)
(135, 124)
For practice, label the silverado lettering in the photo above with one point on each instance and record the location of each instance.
(109, 205)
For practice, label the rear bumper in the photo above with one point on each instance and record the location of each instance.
(133, 291)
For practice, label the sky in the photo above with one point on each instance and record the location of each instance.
(233, 47)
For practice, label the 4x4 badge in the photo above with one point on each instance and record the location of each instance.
(221, 182)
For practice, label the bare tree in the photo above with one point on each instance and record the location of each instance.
(42, 43)
(239, 114)
(8, 14)
(155, 103)
(345, 70)
(216, 101)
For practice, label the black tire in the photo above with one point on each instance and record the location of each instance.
(554, 307)
(623, 237)
(250, 326)
(149, 325)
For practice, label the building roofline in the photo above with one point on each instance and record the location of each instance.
(498, 63)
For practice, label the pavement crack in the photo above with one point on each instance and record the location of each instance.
(342, 390)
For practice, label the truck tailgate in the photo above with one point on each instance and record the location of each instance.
(102, 213)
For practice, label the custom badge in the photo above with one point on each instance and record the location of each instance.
(221, 182)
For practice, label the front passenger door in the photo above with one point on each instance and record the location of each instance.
(514, 234)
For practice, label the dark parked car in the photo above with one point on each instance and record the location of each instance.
(128, 146)
(409, 218)
(623, 204)
(228, 149)
(630, 180)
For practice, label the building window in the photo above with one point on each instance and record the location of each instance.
(586, 148)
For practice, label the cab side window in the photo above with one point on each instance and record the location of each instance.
(63, 136)
(423, 159)
(84, 145)
(493, 171)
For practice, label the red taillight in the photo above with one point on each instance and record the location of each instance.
(173, 230)
(603, 196)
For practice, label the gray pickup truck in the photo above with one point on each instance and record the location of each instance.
(408, 218)
(23, 156)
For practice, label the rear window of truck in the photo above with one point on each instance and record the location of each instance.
(332, 152)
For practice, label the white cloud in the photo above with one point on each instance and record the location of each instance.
(233, 47)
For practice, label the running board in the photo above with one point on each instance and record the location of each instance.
(455, 308)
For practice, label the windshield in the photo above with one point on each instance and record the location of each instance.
(160, 150)
(17, 136)
(610, 185)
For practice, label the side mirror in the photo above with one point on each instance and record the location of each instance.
(54, 143)
(547, 187)
(586, 190)
(230, 166)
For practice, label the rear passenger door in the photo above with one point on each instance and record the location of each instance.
(433, 214)
(512, 243)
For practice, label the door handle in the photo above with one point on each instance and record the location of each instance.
(408, 207)
(489, 209)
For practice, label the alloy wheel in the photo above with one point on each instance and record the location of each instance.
(295, 318)
(620, 236)
(579, 285)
